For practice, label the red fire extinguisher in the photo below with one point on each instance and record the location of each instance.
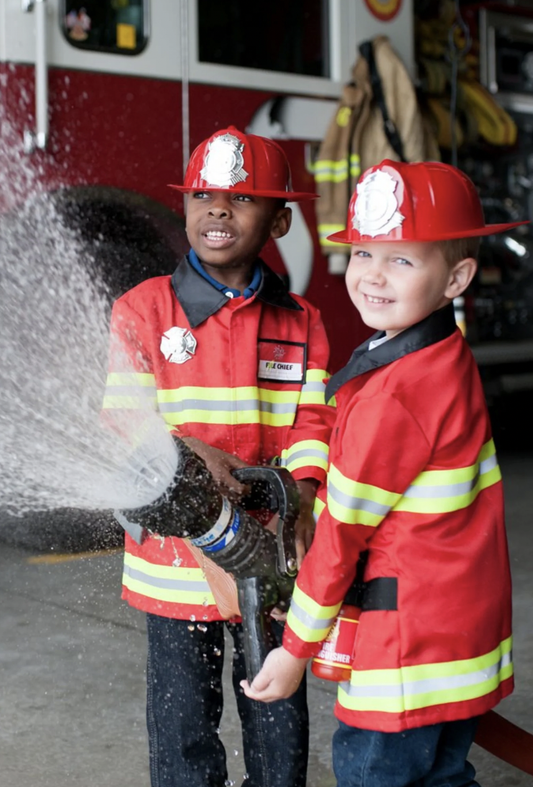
(334, 661)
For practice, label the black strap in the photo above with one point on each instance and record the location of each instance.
(366, 50)
(380, 593)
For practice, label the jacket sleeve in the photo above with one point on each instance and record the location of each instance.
(305, 453)
(130, 394)
(380, 453)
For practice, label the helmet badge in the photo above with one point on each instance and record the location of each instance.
(178, 345)
(376, 207)
(224, 163)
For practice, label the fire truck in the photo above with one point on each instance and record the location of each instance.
(102, 102)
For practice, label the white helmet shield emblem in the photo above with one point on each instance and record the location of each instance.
(224, 163)
(178, 345)
(376, 207)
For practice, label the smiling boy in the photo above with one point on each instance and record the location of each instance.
(414, 482)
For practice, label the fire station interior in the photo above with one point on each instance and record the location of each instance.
(474, 82)
(486, 130)
(475, 79)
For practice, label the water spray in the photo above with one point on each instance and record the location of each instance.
(263, 564)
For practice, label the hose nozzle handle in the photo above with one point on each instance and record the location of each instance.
(275, 489)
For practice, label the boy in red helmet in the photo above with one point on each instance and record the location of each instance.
(413, 486)
(206, 340)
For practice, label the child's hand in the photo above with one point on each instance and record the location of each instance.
(304, 528)
(279, 677)
(220, 464)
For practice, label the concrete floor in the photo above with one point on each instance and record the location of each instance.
(72, 659)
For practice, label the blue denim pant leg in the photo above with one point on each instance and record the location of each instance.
(275, 735)
(433, 756)
(184, 703)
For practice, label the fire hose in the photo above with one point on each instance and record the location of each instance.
(263, 564)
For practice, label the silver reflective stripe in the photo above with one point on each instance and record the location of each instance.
(444, 490)
(488, 464)
(293, 456)
(227, 406)
(453, 490)
(357, 503)
(130, 390)
(308, 621)
(429, 685)
(313, 386)
(169, 584)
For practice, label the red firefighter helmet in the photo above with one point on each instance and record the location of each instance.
(245, 163)
(426, 201)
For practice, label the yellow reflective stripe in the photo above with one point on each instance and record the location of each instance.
(441, 491)
(130, 379)
(314, 389)
(355, 503)
(226, 395)
(318, 507)
(305, 453)
(343, 116)
(166, 583)
(316, 375)
(244, 405)
(422, 686)
(328, 229)
(310, 621)
(329, 171)
(355, 166)
(129, 391)
(201, 417)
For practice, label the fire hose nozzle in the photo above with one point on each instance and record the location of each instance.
(263, 564)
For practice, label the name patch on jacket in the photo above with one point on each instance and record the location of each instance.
(282, 362)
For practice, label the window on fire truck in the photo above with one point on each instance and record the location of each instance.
(290, 36)
(118, 26)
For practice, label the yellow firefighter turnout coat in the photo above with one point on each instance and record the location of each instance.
(356, 138)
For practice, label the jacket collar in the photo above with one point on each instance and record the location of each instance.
(199, 299)
(434, 328)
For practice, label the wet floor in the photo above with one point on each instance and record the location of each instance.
(72, 659)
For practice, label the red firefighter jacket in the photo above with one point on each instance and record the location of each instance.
(245, 376)
(413, 479)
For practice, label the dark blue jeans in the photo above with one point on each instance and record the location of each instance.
(184, 709)
(433, 756)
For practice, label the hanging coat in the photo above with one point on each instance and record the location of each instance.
(356, 137)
